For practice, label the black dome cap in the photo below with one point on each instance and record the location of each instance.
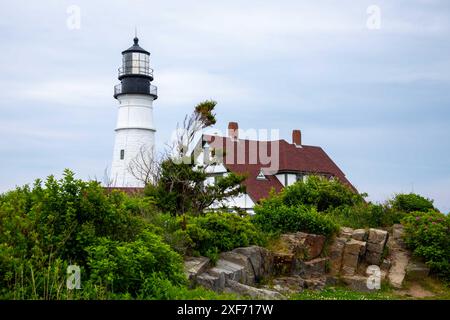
(135, 47)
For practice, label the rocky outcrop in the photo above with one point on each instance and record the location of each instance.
(354, 257)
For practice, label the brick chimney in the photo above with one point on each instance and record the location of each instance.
(297, 138)
(233, 132)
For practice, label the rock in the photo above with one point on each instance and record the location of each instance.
(358, 283)
(336, 252)
(345, 232)
(315, 283)
(359, 234)
(288, 285)
(313, 244)
(194, 266)
(313, 268)
(261, 260)
(230, 270)
(213, 282)
(304, 246)
(376, 242)
(355, 247)
(283, 263)
(377, 236)
(352, 251)
(254, 293)
(240, 259)
(417, 270)
(397, 272)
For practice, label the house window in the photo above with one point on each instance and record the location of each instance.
(122, 154)
(299, 177)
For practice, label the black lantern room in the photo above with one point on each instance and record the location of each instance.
(135, 75)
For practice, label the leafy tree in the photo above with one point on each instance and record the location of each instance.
(411, 202)
(181, 186)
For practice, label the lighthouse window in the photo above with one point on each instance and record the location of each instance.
(122, 154)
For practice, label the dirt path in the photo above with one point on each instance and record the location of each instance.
(416, 291)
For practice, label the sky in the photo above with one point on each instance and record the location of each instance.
(368, 81)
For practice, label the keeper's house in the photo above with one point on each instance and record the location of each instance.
(267, 164)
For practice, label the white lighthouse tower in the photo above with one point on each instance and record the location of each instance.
(135, 131)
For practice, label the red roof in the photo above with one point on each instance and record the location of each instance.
(304, 159)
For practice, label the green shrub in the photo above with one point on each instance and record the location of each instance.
(428, 235)
(365, 215)
(156, 287)
(216, 232)
(319, 192)
(411, 202)
(50, 225)
(281, 218)
(126, 266)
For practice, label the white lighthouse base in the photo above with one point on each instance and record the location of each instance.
(135, 135)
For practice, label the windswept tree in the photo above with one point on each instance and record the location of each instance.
(181, 182)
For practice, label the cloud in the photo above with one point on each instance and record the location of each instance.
(81, 92)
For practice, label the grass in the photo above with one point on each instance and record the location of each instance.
(341, 293)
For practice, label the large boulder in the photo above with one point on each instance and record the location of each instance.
(336, 252)
(260, 258)
(194, 266)
(244, 261)
(230, 270)
(352, 251)
(376, 243)
(215, 282)
(304, 246)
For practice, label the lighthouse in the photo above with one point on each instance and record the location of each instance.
(135, 131)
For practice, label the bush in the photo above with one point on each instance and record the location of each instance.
(428, 235)
(364, 215)
(411, 202)
(216, 232)
(321, 193)
(126, 266)
(46, 227)
(277, 219)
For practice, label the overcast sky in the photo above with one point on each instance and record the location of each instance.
(376, 100)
